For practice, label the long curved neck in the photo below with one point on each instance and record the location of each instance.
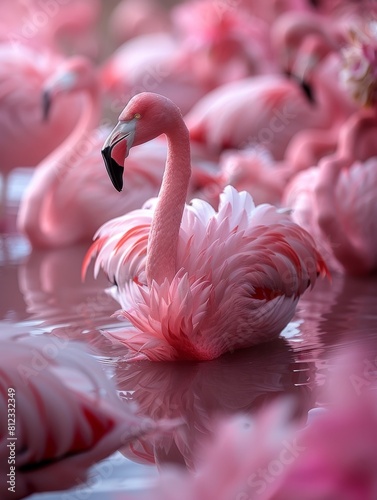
(164, 232)
(38, 199)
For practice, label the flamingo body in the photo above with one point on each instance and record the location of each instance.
(194, 282)
(265, 110)
(353, 194)
(68, 415)
(150, 62)
(23, 74)
(240, 273)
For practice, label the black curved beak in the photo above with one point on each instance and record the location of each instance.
(124, 131)
(46, 105)
(308, 91)
(304, 85)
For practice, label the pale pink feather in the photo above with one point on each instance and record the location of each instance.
(240, 273)
(68, 415)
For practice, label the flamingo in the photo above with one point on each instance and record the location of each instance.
(23, 74)
(68, 416)
(151, 62)
(55, 211)
(266, 110)
(331, 201)
(311, 43)
(194, 282)
(255, 171)
(335, 201)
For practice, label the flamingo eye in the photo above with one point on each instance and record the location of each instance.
(137, 116)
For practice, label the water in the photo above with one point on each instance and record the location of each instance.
(42, 294)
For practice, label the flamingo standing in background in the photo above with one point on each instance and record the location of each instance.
(265, 110)
(68, 416)
(151, 62)
(307, 43)
(55, 211)
(254, 170)
(290, 32)
(336, 200)
(194, 282)
(23, 73)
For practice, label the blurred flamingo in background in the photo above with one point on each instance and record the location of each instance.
(68, 415)
(266, 110)
(282, 115)
(151, 62)
(55, 210)
(290, 31)
(40, 214)
(23, 74)
(335, 201)
(254, 262)
(307, 43)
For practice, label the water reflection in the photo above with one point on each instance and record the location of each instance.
(59, 302)
(200, 392)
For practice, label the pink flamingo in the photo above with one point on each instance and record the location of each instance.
(255, 171)
(307, 147)
(290, 31)
(54, 210)
(335, 201)
(194, 282)
(23, 74)
(312, 43)
(68, 416)
(267, 110)
(151, 62)
(338, 221)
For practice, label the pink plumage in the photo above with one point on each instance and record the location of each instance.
(55, 210)
(68, 415)
(196, 282)
(335, 201)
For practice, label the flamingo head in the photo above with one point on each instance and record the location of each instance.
(146, 116)
(73, 75)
